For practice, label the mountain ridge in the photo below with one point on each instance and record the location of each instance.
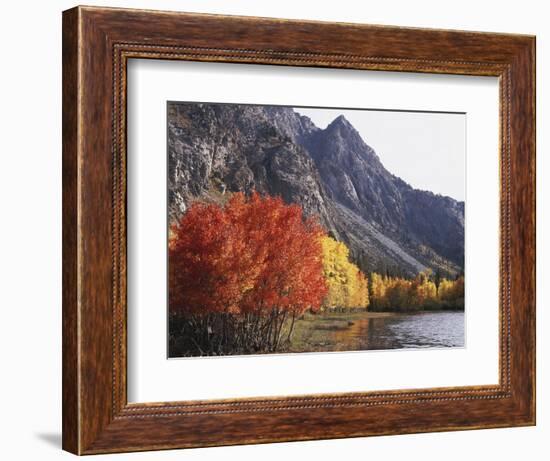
(332, 173)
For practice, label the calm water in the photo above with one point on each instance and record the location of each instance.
(401, 331)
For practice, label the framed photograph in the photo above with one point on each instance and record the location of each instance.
(281, 230)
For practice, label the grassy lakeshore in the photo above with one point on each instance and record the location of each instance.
(351, 330)
(331, 330)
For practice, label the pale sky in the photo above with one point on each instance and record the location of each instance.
(425, 149)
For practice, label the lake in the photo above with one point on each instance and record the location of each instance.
(331, 331)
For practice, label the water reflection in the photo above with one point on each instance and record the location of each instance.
(401, 331)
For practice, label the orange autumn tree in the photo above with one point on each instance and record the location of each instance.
(237, 273)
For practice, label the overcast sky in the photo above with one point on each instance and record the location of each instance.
(425, 149)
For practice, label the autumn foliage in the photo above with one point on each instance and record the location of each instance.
(237, 273)
(347, 285)
(422, 292)
(242, 274)
(451, 292)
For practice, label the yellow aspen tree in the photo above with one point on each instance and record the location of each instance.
(347, 286)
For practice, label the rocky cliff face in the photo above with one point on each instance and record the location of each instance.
(355, 178)
(215, 149)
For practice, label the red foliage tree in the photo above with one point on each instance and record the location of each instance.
(254, 256)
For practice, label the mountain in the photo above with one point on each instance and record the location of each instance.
(214, 149)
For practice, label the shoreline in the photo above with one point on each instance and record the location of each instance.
(381, 314)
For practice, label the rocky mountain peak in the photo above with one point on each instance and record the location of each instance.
(341, 122)
(216, 149)
(341, 142)
(342, 128)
